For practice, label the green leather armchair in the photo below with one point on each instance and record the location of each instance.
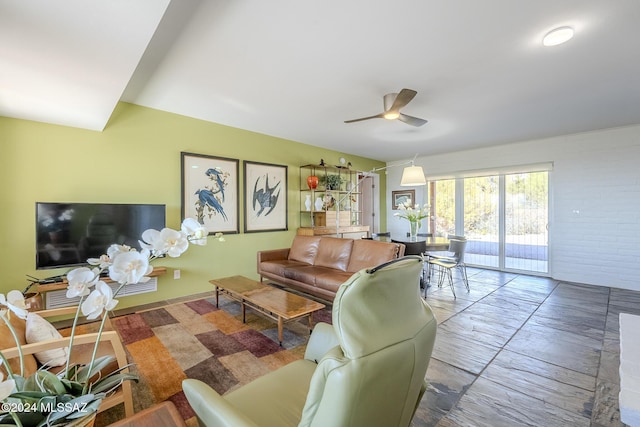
(367, 369)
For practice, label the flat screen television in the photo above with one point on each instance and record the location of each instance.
(69, 233)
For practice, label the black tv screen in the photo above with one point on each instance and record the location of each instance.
(69, 233)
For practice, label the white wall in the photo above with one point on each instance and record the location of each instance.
(594, 233)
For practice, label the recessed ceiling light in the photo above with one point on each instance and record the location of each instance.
(558, 36)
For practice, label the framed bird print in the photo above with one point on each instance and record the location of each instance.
(265, 197)
(210, 192)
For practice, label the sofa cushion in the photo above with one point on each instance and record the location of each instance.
(304, 249)
(38, 330)
(7, 341)
(334, 252)
(369, 253)
(302, 273)
(331, 280)
(279, 266)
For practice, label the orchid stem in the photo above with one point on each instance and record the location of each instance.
(105, 316)
(5, 362)
(73, 334)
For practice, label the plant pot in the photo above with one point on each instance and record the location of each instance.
(87, 421)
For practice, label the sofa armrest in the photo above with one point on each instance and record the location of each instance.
(270, 255)
(323, 338)
(211, 408)
(273, 254)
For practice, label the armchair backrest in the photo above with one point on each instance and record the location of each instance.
(386, 331)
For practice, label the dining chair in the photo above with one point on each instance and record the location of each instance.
(445, 265)
(413, 248)
(416, 248)
(446, 255)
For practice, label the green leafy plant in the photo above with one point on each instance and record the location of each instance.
(331, 181)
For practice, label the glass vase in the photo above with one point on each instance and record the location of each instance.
(413, 229)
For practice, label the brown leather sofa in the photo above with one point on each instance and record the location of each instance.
(319, 265)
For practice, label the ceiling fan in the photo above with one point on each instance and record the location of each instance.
(393, 102)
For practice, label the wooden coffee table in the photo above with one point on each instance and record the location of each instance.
(277, 304)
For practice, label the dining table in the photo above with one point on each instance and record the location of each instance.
(420, 244)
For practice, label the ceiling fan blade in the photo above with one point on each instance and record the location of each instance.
(410, 120)
(404, 97)
(377, 116)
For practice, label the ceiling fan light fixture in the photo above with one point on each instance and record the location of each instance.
(393, 103)
(558, 36)
(413, 176)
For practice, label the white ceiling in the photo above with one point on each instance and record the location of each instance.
(298, 69)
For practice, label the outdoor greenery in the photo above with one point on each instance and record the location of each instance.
(525, 204)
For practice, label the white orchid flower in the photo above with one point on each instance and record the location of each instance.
(176, 242)
(196, 232)
(6, 387)
(14, 301)
(103, 262)
(100, 299)
(114, 250)
(130, 267)
(165, 242)
(80, 279)
(219, 237)
(152, 241)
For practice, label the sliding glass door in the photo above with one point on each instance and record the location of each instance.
(503, 216)
(526, 221)
(481, 220)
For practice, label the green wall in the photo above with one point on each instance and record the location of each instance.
(136, 159)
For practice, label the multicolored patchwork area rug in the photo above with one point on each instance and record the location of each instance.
(197, 340)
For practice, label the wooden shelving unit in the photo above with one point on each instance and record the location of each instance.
(340, 213)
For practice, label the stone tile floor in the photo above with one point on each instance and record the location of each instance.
(522, 350)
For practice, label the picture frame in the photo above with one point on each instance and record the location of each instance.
(210, 191)
(265, 197)
(401, 196)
